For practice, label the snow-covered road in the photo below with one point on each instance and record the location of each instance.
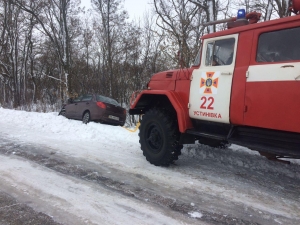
(97, 174)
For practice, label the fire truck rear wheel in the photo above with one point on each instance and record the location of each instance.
(159, 137)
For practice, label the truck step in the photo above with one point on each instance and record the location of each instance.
(265, 140)
(206, 135)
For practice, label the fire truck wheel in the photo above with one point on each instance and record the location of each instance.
(159, 137)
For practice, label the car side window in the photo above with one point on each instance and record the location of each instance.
(78, 99)
(280, 45)
(86, 98)
(220, 52)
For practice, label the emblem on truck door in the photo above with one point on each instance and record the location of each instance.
(209, 82)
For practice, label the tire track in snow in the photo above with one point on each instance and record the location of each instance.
(145, 195)
(216, 163)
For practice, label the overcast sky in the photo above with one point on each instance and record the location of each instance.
(135, 8)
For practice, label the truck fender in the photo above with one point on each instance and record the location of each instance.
(184, 121)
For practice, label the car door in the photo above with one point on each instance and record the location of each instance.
(273, 80)
(211, 83)
(72, 107)
(83, 105)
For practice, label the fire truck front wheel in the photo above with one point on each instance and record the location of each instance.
(159, 137)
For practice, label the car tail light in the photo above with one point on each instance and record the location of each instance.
(124, 111)
(101, 105)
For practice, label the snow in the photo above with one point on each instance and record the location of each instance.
(115, 148)
(74, 200)
(195, 214)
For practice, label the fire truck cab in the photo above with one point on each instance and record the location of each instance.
(244, 88)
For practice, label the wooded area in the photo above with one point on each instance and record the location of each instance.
(51, 50)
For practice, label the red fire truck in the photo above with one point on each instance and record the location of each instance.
(244, 88)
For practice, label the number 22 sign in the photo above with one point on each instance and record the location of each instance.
(207, 103)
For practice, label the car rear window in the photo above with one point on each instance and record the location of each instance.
(86, 98)
(107, 100)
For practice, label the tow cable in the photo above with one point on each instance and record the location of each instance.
(136, 127)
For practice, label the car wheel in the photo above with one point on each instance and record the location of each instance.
(159, 137)
(86, 117)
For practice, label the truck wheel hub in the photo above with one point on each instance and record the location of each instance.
(154, 139)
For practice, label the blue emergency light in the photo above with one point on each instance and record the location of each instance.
(241, 14)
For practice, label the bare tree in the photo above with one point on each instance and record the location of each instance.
(269, 10)
(151, 43)
(176, 19)
(52, 16)
(282, 8)
(10, 41)
(113, 19)
(210, 9)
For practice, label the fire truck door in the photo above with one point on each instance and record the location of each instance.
(272, 96)
(273, 81)
(211, 83)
